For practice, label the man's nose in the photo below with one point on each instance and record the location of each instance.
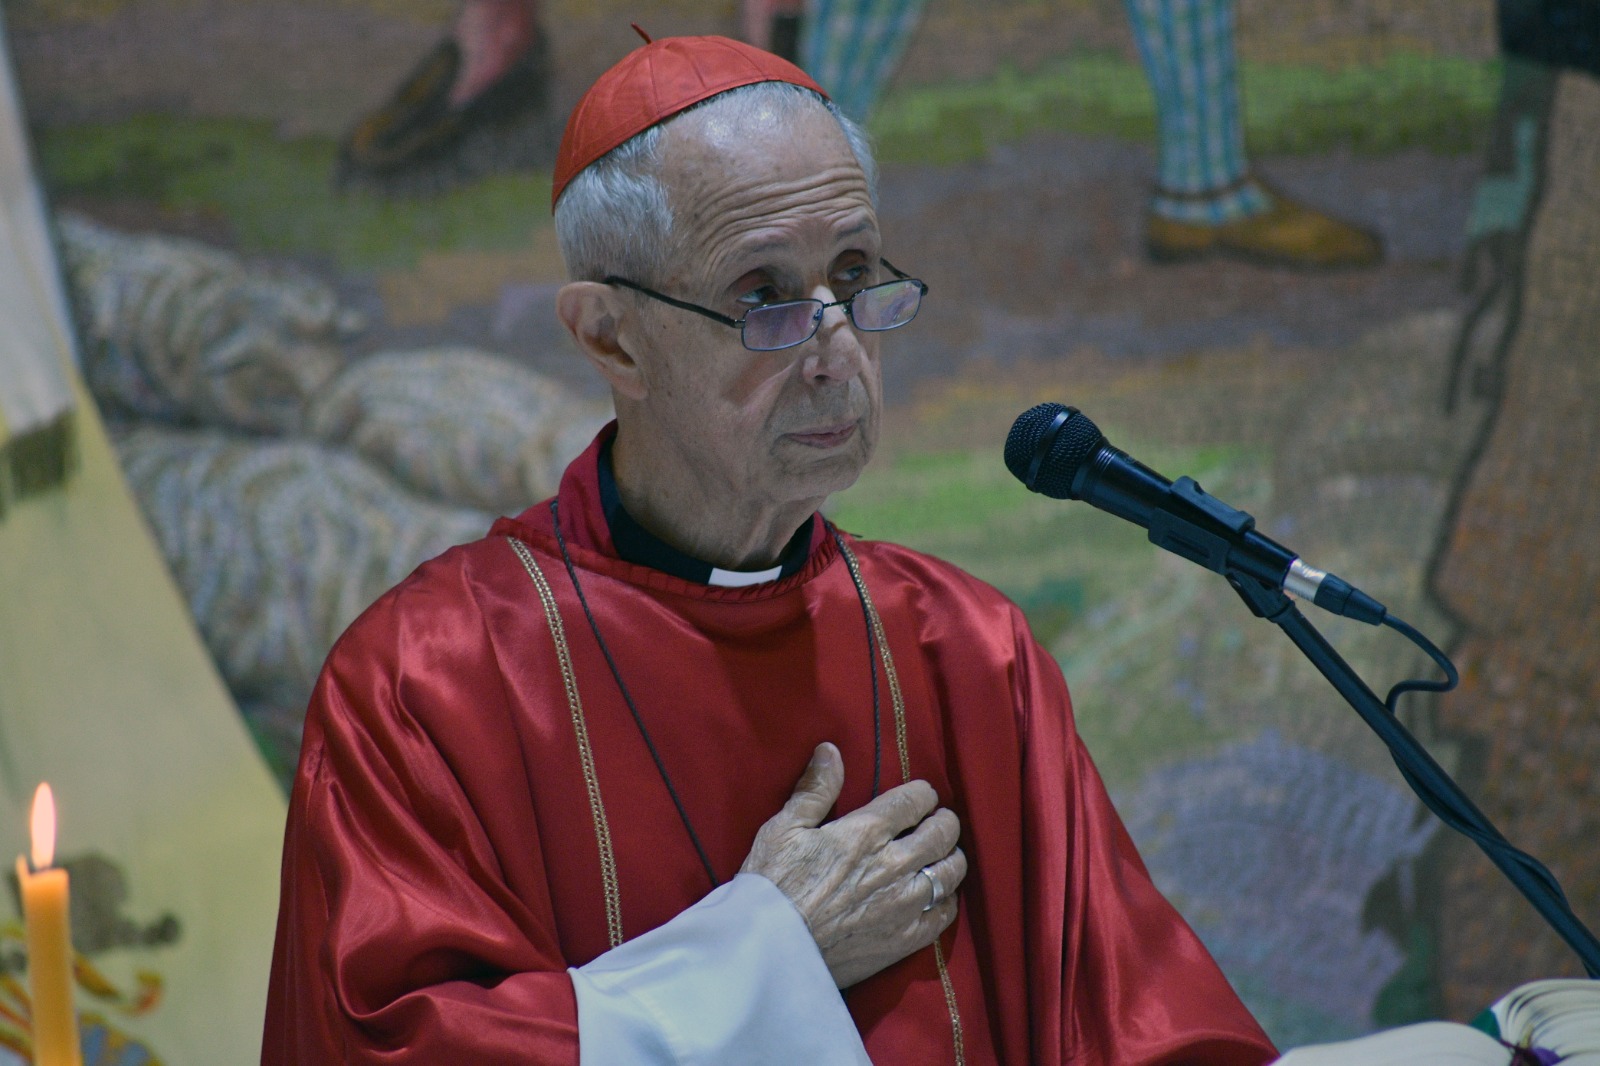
(837, 351)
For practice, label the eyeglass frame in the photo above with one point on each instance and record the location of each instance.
(848, 303)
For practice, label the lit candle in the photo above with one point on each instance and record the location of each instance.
(44, 906)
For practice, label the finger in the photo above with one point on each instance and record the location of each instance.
(950, 871)
(892, 813)
(937, 919)
(932, 840)
(938, 881)
(818, 788)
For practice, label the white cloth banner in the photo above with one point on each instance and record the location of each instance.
(35, 330)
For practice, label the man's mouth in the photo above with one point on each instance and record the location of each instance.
(825, 436)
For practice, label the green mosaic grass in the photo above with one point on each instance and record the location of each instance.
(1441, 103)
(278, 196)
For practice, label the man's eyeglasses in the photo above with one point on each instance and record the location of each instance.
(772, 327)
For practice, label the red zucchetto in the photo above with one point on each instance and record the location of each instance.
(653, 83)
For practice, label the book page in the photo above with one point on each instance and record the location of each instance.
(1560, 1015)
(1424, 1044)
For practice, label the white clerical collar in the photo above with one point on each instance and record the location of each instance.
(738, 579)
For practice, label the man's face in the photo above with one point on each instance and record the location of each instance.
(765, 209)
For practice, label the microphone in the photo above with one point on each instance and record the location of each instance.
(1057, 451)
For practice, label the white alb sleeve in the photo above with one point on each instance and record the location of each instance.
(735, 978)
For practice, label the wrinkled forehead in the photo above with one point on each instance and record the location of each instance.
(751, 112)
(755, 161)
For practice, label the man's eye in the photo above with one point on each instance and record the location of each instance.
(756, 297)
(852, 278)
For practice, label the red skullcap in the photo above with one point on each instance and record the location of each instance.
(653, 83)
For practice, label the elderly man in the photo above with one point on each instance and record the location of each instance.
(547, 804)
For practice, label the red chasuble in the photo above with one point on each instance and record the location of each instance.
(441, 868)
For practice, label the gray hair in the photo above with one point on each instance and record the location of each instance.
(614, 216)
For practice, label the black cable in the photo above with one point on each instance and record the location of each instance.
(1433, 786)
(1469, 822)
(1452, 677)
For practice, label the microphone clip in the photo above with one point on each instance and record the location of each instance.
(1264, 599)
(1182, 529)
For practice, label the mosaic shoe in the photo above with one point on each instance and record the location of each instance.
(416, 120)
(1286, 234)
(418, 128)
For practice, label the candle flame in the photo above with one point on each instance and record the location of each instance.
(44, 827)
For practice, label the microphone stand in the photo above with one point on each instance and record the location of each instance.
(1426, 777)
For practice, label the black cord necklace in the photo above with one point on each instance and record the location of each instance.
(638, 719)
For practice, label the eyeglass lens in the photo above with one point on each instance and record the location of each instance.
(780, 325)
(886, 306)
(877, 307)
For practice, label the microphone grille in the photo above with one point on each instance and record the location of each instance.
(1076, 440)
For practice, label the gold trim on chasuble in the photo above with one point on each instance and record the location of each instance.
(608, 863)
(905, 773)
(569, 678)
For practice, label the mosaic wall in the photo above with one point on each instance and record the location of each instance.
(1334, 259)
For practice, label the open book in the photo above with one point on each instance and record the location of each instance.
(1559, 1021)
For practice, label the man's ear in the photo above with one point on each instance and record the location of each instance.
(592, 313)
